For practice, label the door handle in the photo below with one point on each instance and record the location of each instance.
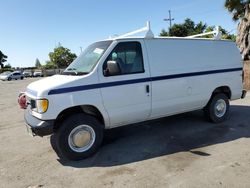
(147, 88)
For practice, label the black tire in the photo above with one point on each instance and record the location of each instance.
(21, 78)
(53, 143)
(9, 79)
(212, 113)
(69, 125)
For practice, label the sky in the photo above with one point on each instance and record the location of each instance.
(31, 29)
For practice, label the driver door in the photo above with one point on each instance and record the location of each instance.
(127, 99)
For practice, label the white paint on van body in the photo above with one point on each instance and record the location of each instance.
(125, 104)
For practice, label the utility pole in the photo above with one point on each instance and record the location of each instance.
(169, 19)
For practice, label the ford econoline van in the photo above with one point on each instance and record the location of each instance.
(126, 80)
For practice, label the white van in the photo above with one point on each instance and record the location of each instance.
(126, 80)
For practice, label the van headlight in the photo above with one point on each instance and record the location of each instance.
(42, 105)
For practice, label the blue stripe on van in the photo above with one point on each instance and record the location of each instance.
(135, 81)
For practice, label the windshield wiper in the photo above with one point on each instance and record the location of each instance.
(75, 73)
(69, 69)
(82, 73)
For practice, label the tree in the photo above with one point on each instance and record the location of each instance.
(189, 27)
(61, 57)
(37, 64)
(164, 33)
(237, 8)
(240, 10)
(49, 65)
(7, 66)
(185, 29)
(2, 59)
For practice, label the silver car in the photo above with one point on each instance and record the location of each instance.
(38, 73)
(27, 73)
(11, 76)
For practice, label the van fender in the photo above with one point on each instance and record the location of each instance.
(92, 110)
(222, 89)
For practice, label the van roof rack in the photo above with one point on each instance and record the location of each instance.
(216, 33)
(146, 29)
(149, 34)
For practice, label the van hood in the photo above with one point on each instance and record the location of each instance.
(42, 87)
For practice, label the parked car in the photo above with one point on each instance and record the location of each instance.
(38, 74)
(127, 80)
(4, 74)
(11, 76)
(27, 73)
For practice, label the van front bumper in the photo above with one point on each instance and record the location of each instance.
(37, 127)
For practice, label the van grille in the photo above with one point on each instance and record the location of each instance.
(32, 104)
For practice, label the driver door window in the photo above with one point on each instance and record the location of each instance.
(128, 57)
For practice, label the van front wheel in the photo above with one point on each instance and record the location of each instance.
(79, 137)
(217, 108)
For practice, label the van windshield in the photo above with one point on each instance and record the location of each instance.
(86, 62)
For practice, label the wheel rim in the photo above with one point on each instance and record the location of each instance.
(81, 138)
(220, 108)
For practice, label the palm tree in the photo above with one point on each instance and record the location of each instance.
(240, 10)
(237, 8)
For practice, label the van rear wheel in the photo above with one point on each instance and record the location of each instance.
(217, 108)
(79, 137)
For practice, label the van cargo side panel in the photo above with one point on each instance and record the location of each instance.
(192, 69)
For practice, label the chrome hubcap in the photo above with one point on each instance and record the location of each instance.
(220, 108)
(81, 138)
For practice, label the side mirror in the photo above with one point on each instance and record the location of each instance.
(112, 69)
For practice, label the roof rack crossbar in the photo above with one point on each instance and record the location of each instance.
(147, 29)
(217, 34)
